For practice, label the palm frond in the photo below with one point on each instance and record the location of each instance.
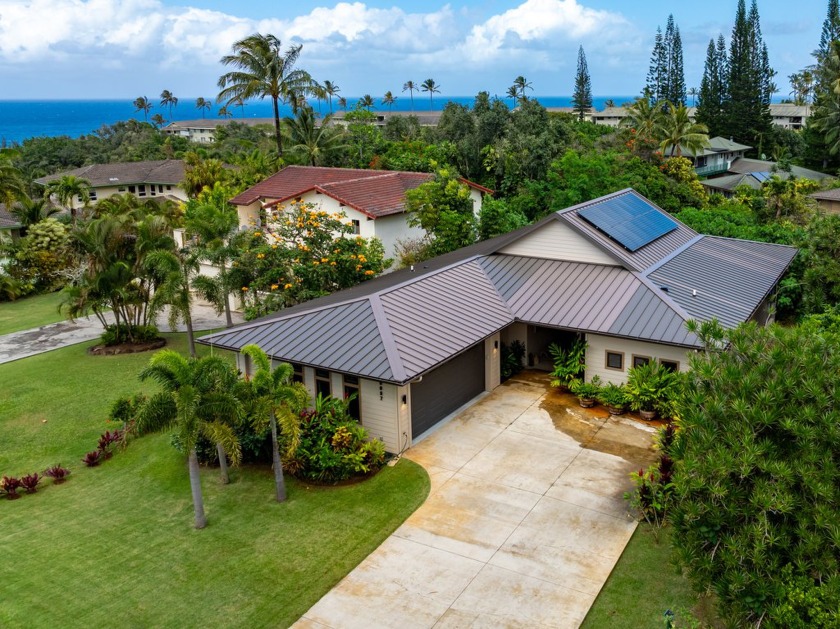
(156, 414)
(219, 432)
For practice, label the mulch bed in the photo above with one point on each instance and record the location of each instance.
(126, 348)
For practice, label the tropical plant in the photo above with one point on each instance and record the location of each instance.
(10, 485)
(12, 183)
(196, 400)
(410, 86)
(30, 211)
(30, 482)
(649, 385)
(513, 94)
(582, 95)
(643, 122)
(68, 188)
(366, 102)
(613, 396)
(389, 99)
(520, 84)
(107, 441)
(174, 272)
(443, 207)
(158, 120)
(568, 364)
(92, 458)
(279, 403)
(432, 88)
(142, 103)
(202, 172)
(263, 71)
(224, 112)
(204, 105)
(511, 358)
(313, 142)
(168, 99)
(680, 132)
(586, 392)
(57, 473)
(331, 89)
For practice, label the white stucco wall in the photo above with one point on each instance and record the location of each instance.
(598, 345)
(152, 191)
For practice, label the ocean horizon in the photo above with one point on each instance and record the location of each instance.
(23, 119)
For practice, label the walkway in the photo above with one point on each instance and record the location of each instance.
(49, 337)
(523, 525)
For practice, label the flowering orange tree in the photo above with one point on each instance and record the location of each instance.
(302, 253)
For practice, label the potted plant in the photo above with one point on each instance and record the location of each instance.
(614, 397)
(586, 392)
(568, 364)
(649, 386)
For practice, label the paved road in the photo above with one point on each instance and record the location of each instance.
(49, 337)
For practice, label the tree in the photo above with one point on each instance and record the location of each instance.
(12, 183)
(520, 84)
(680, 132)
(68, 188)
(224, 112)
(342, 102)
(444, 209)
(432, 88)
(694, 93)
(174, 272)
(666, 79)
(826, 118)
(203, 105)
(313, 142)
(802, 86)
(757, 481)
(582, 95)
(263, 71)
(389, 99)
(168, 99)
(410, 86)
(195, 396)
(644, 121)
(142, 103)
(513, 94)
(830, 29)
(200, 173)
(714, 90)
(278, 398)
(497, 217)
(332, 89)
(32, 211)
(657, 71)
(158, 120)
(366, 101)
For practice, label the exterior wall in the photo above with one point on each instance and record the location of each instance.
(477, 197)
(309, 380)
(556, 241)
(151, 191)
(380, 412)
(390, 229)
(598, 346)
(249, 215)
(829, 207)
(516, 332)
(492, 362)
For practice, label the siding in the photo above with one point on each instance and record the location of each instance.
(380, 414)
(555, 241)
(598, 346)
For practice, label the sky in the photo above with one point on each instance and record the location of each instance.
(114, 49)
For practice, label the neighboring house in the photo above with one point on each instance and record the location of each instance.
(372, 200)
(145, 180)
(610, 116)
(828, 200)
(717, 157)
(753, 173)
(203, 131)
(9, 223)
(419, 343)
(380, 118)
(783, 115)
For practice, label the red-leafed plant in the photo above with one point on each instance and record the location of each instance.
(57, 473)
(10, 485)
(92, 459)
(30, 482)
(107, 441)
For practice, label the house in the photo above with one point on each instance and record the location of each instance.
(372, 200)
(828, 200)
(753, 173)
(783, 115)
(417, 344)
(610, 116)
(9, 223)
(203, 131)
(146, 180)
(717, 157)
(380, 118)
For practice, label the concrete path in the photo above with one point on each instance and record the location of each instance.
(523, 525)
(49, 337)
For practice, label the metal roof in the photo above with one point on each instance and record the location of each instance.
(744, 165)
(731, 277)
(161, 171)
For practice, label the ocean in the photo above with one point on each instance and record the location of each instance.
(22, 119)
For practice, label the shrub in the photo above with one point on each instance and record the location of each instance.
(30, 482)
(92, 459)
(653, 491)
(333, 447)
(119, 334)
(57, 473)
(568, 364)
(511, 358)
(614, 395)
(125, 409)
(10, 485)
(586, 390)
(107, 440)
(650, 386)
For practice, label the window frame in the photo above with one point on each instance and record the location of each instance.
(607, 353)
(351, 384)
(633, 358)
(675, 363)
(320, 378)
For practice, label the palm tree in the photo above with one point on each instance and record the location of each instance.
(277, 399)
(203, 104)
(263, 71)
(694, 93)
(319, 92)
(645, 118)
(342, 102)
(521, 84)
(513, 93)
(200, 173)
(366, 101)
(12, 183)
(167, 99)
(158, 120)
(240, 102)
(332, 90)
(224, 112)
(680, 132)
(174, 271)
(67, 188)
(432, 88)
(142, 103)
(31, 211)
(410, 86)
(389, 99)
(196, 393)
(313, 142)
(609, 103)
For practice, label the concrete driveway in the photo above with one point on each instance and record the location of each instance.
(523, 525)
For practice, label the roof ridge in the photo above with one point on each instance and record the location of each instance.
(662, 295)
(387, 337)
(653, 267)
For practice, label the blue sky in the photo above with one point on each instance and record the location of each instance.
(124, 48)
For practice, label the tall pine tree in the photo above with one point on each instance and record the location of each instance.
(830, 29)
(714, 87)
(582, 97)
(666, 79)
(655, 85)
(820, 130)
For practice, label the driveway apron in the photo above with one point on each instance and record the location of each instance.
(524, 523)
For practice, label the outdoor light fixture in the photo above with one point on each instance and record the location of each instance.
(404, 399)
(495, 344)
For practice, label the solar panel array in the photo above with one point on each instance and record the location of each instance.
(629, 220)
(761, 176)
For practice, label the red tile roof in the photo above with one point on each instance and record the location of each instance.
(372, 192)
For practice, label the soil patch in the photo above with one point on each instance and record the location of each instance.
(126, 348)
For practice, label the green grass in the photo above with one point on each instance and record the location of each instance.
(643, 585)
(31, 312)
(115, 544)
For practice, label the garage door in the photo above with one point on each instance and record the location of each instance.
(441, 391)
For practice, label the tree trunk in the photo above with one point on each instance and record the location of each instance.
(195, 487)
(223, 466)
(279, 483)
(277, 135)
(226, 295)
(190, 333)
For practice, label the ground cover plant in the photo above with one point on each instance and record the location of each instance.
(123, 526)
(30, 312)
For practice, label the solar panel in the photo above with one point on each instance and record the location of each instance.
(630, 221)
(761, 176)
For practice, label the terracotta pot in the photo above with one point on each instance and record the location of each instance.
(586, 402)
(647, 415)
(616, 410)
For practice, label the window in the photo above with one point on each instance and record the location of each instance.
(160, 189)
(357, 226)
(322, 382)
(142, 189)
(152, 190)
(132, 189)
(121, 189)
(615, 360)
(169, 187)
(297, 375)
(638, 361)
(351, 386)
(670, 365)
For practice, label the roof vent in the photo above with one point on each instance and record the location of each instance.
(694, 292)
(664, 288)
(412, 268)
(113, 179)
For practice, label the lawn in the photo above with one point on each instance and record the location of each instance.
(116, 542)
(31, 312)
(643, 585)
